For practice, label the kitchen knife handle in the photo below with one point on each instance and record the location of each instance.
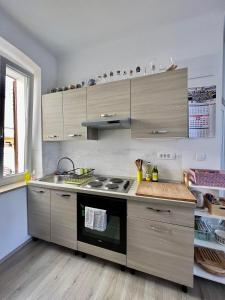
(159, 210)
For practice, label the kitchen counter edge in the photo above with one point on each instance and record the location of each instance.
(129, 196)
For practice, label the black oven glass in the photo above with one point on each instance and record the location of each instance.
(114, 237)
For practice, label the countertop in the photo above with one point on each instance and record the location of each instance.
(131, 195)
(12, 186)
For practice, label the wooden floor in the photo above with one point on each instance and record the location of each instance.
(45, 271)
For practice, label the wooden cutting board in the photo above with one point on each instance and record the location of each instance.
(173, 191)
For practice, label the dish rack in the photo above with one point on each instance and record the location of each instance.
(203, 230)
(79, 176)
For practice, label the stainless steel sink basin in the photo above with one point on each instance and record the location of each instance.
(53, 178)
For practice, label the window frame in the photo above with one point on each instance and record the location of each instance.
(4, 63)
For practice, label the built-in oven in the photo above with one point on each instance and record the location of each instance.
(114, 236)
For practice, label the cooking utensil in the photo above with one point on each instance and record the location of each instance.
(139, 163)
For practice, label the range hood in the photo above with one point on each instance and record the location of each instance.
(108, 123)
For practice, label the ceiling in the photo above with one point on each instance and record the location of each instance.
(63, 26)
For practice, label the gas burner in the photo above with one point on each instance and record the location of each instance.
(95, 184)
(101, 178)
(116, 180)
(111, 186)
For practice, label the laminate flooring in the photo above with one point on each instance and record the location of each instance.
(44, 271)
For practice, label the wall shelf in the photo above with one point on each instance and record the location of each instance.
(198, 271)
(204, 213)
(192, 186)
(209, 244)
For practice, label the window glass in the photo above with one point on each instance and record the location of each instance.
(16, 92)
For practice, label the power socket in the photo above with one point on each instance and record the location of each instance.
(166, 155)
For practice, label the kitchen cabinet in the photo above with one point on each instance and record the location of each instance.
(39, 212)
(158, 247)
(159, 105)
(108, 100)
(162, 212)
(52, 117)
(64, 218)
(74, 113)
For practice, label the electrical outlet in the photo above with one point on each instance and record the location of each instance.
(166, 155)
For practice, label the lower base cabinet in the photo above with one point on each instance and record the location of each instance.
(39, 213)
(161, 249)
(52, 216)
(159, 241)
(63, 219)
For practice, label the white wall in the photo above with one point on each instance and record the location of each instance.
(22, 40)
(13, 221)
(197, 44)
(13, 210)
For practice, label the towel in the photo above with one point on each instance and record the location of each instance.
(89, 217)
(95, 219)
(100, 219)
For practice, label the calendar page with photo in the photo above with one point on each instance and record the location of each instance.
(202, 112)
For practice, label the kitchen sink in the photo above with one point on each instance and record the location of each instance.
(53, 178)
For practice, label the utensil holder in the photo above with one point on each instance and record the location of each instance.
(139, 176)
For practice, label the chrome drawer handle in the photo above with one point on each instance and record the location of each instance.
(64, 195)
(107, 115)
(52, 136)
(159, 210)
(39, 192)
(160, 230)
(159, 131)
(74, 135)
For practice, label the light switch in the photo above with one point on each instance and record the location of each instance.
(200, 156)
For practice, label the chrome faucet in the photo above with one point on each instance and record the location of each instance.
(63, 158)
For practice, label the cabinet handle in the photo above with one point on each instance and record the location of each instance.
(39, 192)
(159, 131)
(64, 195)
(107, 115)
(159, 210)
(52, 136)
(74, 135)
(160, 230)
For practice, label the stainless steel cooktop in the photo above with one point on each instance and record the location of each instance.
(112, 184)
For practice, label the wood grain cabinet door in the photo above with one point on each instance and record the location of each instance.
(159, 105)
(39, 213)
(74, 113)
(64, 219)
(108, 100)
(52, 117)
(161, 249)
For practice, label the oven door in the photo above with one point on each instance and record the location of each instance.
(114, 237)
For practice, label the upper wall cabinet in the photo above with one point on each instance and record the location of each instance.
(52, 117)
(159, 105)
(108, 100)
(74, 113)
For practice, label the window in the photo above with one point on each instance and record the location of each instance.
(16, 88)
